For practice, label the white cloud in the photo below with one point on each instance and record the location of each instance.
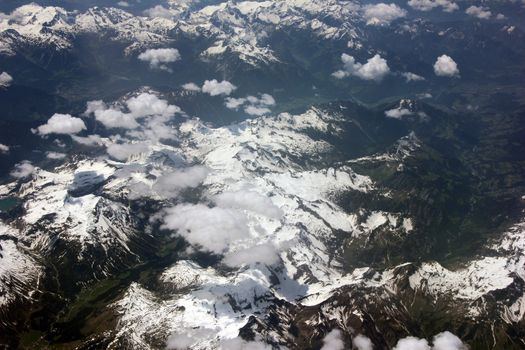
(90, 140)
(446, 67)
(171, 183)
(214, 229)
(234, 103)
(112, 118)
(123, 4)
(376, 68)
(249, 200)
(333, 341)
(255, 110)
(214, 87)
(240, 344)
(147, 104)
(22, 169)
(62, 124)
(427, 5)
(447, 341)
(383, 14)
(143, 105)
(263, 253)
(256, 105)
(479, 12)
(158, 58)
(397, 113)
(500, 16)
(191, 87)
(55, 155)
(159, 11)
(412, 343)
(122, 152)
(362, 342)
(5, 80)
(180, 342)
(4, 148)
(412, 77)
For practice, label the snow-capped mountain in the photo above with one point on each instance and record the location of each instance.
(280, 275)
(240, 28)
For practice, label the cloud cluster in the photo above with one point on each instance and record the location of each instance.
(441, 341)
(123, 152)
(427, 5)
(362, 342)
(22, 169)
(215, 88)
(171, 183)
(249, 200)
(159, 11)
(158, 58)
(383, 14)
(333, 341)
(252, 105)
(62, 124)
(141, 106)
(446, 67)
(5, 80)
(478, 12)
(213, 229)
(4, 148)
(265, 253)
(240, 344)
(376, 68)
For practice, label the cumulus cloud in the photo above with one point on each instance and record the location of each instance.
(256, 110)
(4, 148)
(55, 155)
(441, 341)
(90, 140)
(159, 11)
(383, 14)
(479, 12)
(123, 3)
(427, 5)
(22, 169)
(141, 106)
(158, 58)
(249, 200)
(252, 105)
(240, 344)
(412, 77)
(263, 253)
(62, 124)
(213, 229)
(446, 67)
(412, 343)
(376, 68)
(123, 152)
(179, 342)
(5, 80)
(333, 341)
(447, 341)
(147, 104)
(112, 118)
(214, 87)
(362, 342)
(191, 87)
(172, 182)
(397, 113)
